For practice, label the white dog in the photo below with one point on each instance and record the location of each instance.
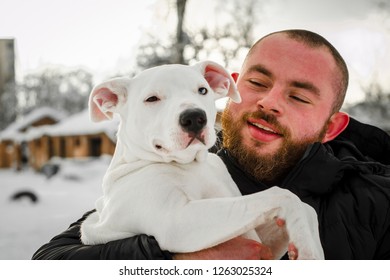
(162, 181)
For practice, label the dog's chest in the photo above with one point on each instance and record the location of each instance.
(197, 180)
(204, 180)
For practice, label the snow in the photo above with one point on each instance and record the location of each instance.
(64, 198)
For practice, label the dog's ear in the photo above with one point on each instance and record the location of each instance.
(106, 97)
(219, 80)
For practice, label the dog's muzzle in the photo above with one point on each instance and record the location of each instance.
(193, 121)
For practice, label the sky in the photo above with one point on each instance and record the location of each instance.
(102, 35)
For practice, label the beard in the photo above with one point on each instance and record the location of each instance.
(267, 168)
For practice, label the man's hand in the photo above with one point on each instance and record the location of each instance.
(238, 248)
(292, 250)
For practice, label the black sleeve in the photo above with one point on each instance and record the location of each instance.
(383, 247)
(67, 246)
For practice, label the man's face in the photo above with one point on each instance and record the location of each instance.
(287, 92)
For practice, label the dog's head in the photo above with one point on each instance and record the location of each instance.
(167, 112)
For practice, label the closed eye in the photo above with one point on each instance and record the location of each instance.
(152, 99)
(257, 83)
(299, 99)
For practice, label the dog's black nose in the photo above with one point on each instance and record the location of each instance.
(193, 120)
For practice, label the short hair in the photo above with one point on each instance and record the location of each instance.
(315, 40)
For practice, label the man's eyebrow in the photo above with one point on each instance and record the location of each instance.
(260, 69)
(307, 86)
(297, 84)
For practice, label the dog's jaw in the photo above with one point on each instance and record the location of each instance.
(184, 147)
(193, 152)
(158, 151)
(201, 156)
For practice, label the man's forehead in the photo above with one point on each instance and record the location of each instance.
(278, 46)
(270, 41)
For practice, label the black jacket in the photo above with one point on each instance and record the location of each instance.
(67, 246)
(347, 181)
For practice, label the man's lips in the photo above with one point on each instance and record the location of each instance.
(263, 131)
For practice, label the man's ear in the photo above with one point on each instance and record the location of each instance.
(106, 97)
(219, 80)
(337, 123)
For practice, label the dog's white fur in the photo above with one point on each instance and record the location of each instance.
(162, 182)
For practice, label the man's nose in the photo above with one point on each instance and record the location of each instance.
(271, 101)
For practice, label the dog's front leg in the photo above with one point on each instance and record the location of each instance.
(199, 224)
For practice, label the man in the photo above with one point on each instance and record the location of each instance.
(288, 131)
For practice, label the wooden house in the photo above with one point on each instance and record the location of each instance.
(13, 148)
(73, 137)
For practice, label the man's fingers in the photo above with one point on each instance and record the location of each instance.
(292, 252)
(280, 222)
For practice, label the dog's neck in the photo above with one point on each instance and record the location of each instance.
(122, 156)
(126, 160)
(122, 163)
(127, 154)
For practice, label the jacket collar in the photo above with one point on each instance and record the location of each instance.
(358, 148)
(317, 173)
(313, 175)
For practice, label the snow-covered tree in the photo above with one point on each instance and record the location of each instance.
(65, 90)
(225, 39)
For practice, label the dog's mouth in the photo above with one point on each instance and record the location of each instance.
(193, 137)
(181, 144)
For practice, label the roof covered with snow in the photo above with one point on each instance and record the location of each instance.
(77, 124)
(15, 130)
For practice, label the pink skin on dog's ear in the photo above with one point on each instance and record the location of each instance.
(220, 81)
(101, 101)
(106, 97)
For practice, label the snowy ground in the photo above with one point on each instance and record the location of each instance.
(25, 226)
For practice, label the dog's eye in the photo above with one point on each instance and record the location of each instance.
(202, 91)
(152, 99)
